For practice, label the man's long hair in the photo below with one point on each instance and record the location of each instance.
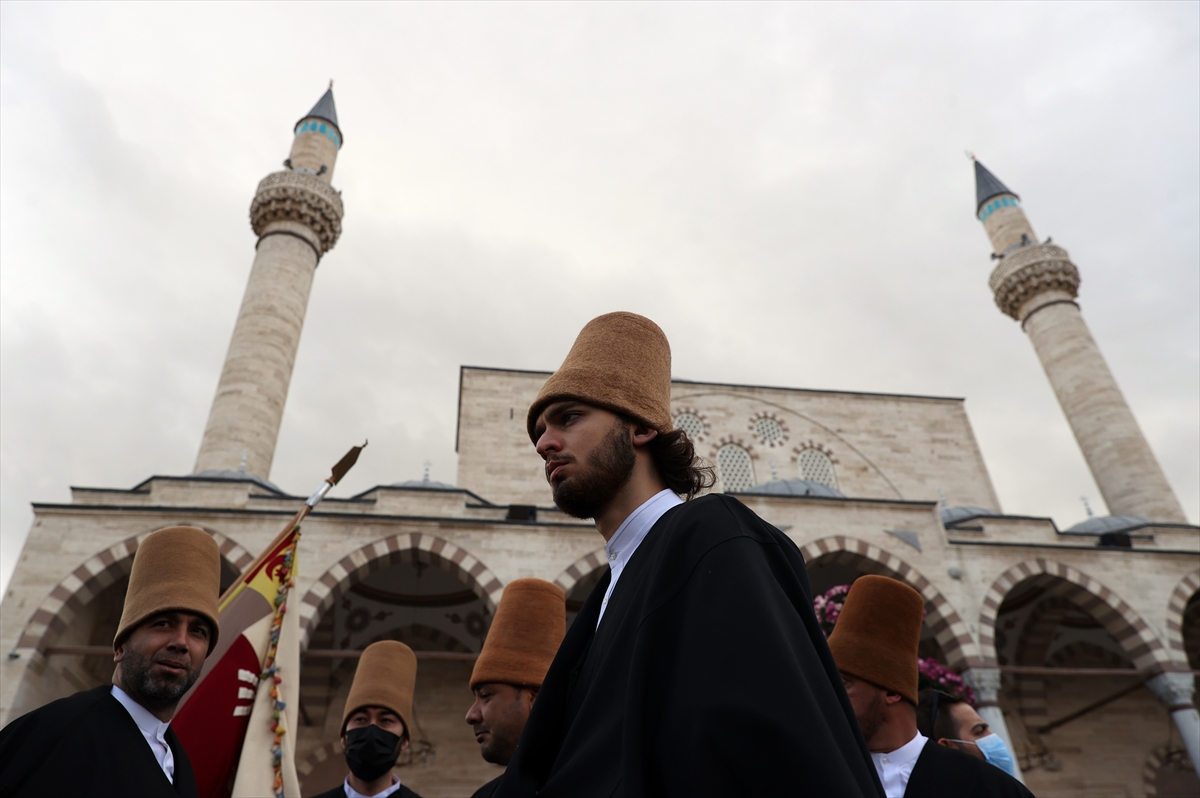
(677, 463)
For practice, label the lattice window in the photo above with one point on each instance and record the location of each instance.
(692, 424)
(815, 466)
(769, 430)
(735, 467)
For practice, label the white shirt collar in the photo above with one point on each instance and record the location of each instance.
(153, 729)
(631, 533)
(353, 793)
(896, 767)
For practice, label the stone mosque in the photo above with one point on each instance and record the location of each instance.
(1082, 644)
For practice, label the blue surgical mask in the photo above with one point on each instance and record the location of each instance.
(997, 753)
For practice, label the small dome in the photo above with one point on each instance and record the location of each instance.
(423, 484)
(795, 487)
(240, 476)
(1098, 525)
(954, 515)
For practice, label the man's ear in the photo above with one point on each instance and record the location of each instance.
(946, 742)
(119, 653)
(343, 742)
(642, 434)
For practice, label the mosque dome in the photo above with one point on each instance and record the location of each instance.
(955, 515)
(239, 476)
(1099, 525)
(795, 487)
(423, 484)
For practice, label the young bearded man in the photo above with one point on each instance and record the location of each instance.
(116, 740)
(696, 666)
(525, 634)
(376, 721)
(875, 645)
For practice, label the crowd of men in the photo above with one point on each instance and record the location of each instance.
(696, 667)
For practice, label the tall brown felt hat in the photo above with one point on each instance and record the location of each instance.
(386, 677)
(528, 628)
(177, 568)
(877, 634)
(621, 362)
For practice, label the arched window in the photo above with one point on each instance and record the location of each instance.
(735, 467)
(815, 466)
(690, 423)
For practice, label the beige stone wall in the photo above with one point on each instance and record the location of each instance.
(1126, 471)
(252, 391)
(883, 446)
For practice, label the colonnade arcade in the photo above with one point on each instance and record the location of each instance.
(1038, 617)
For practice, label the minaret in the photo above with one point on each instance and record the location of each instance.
(297, 215)
(1036, 284)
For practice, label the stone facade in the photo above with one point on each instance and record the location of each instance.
(863, 483)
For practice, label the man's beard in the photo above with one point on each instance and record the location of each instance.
(873, 717)
(607, 470)
(153, 692)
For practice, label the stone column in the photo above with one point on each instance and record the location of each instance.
(986, 684)
(1176, 690)
(1036, 284)
(298, 217)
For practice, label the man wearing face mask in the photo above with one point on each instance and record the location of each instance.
(875, 646)
(116, 740)
(525, 635)
(955, 724)
(376, 722)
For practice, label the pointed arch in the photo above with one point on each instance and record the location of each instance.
(405, 547)
(580, 569)
(96, 574)
(1180, 597)
(943, 620)
(1132, 633)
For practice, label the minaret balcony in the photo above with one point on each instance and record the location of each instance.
(1031, 270)
(291, 196)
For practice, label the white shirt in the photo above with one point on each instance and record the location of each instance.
(631, 533)
(353, 793)
(895, 767)
(153, 729)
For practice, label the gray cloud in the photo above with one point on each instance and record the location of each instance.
(782, 187)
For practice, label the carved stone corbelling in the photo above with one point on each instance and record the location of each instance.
(1173, 689)
(1029, 271)
(297, 197)
(985, 682)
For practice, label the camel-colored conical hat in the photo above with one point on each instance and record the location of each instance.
(386, 677)
(528, 629)
(177, 568)
(621, 362)
(878, 632)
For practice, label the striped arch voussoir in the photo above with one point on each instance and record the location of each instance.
(1180, 597)
(405, 547)
(943, 620)
(1132, 633)
(580, 569)
(87, 581)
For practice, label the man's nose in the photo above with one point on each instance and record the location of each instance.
(473, 715)
(548, 443)
(179, 637)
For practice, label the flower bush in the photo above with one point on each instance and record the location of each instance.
(931, 673)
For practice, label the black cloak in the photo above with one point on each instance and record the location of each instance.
(488, 790)
(340, 792)
(709, 676)
(942, 772)
(87, 744)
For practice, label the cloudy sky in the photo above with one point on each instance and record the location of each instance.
(782, 187)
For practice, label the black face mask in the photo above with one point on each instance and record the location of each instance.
(371, 751)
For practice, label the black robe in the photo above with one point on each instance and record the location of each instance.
(488, 790)
(87, 744)
(942, 772)
(709, 676)
(340, 792)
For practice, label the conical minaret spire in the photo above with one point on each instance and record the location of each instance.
(1037, 284)
(297, 215)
